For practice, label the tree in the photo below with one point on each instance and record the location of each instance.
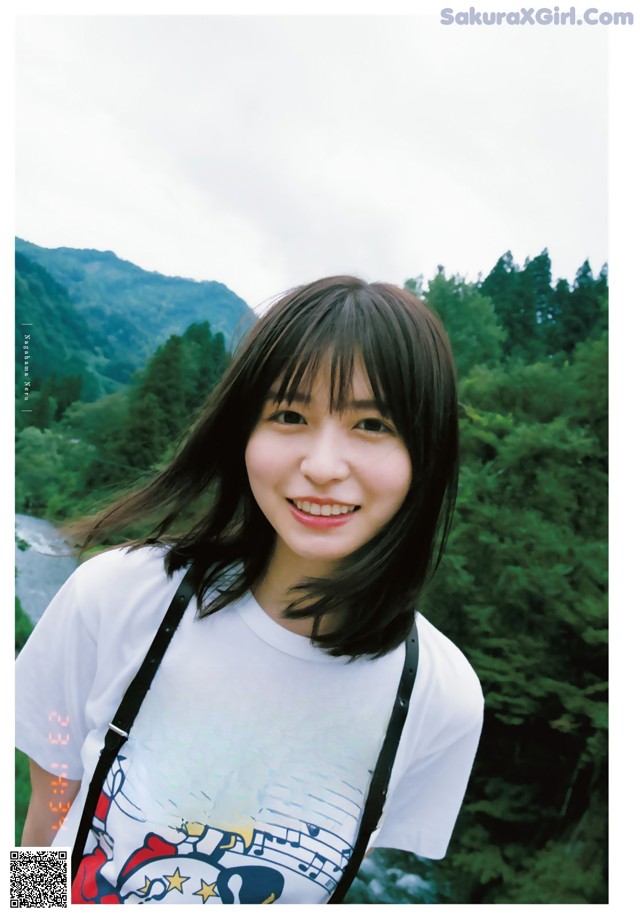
(470, 318)
(523, 302)
(206, 359)
(543, 322)
(144, 438)
(101, 424)
(500, 286)
(157, 407)
(43, 408)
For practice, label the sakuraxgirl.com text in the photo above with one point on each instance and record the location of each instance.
(534, 16)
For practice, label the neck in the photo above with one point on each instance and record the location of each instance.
(272, 590)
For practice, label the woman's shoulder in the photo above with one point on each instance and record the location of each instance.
(446, 673)
(124, 559)
(108, 584)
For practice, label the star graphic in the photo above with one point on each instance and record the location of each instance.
(145, 888)
(175, 880)
(206, 890)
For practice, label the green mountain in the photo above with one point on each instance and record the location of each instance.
(52, 336)
(104, 315)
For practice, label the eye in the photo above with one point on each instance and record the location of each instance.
(374, 425)
(287, 417)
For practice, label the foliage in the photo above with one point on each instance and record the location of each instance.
(51, 469)
(540, 320)
(66, 469)
(22, 793)
(522, 591)
(23, 627)
(470, 319)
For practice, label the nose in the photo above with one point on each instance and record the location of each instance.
(325, 458)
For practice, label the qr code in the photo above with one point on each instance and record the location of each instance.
(39, 877)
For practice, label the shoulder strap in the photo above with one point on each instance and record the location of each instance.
(380, 780)
(119, 728)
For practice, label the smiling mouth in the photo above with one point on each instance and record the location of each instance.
(323, 509)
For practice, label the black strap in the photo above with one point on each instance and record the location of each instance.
(380, 780)
(118, 731)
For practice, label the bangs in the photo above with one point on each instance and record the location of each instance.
(345, 335)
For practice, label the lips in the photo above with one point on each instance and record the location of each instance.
(321, 514)
(322, 507)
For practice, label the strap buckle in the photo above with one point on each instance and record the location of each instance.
(119, 731)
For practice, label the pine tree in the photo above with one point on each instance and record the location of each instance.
(470, 318)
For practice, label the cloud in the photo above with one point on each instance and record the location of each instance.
(263, 151)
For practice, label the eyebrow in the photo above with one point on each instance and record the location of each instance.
(359, 404)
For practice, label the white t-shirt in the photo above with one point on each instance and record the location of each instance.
(248, 765)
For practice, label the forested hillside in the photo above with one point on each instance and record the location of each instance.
(66, 467)
(522, 588)
(66, 347)
(126, 312)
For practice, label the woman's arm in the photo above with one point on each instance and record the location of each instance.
(43, 813)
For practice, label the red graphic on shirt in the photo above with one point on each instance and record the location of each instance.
(159, 866)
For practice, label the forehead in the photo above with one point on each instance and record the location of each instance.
(328, 380)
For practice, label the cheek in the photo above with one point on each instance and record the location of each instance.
(261, 460)
(392, 477)
(252, 460)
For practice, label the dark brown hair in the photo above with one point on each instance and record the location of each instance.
(406, 355)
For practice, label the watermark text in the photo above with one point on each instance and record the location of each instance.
(542, 16)
(26, 358)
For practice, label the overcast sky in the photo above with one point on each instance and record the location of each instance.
(265, 151)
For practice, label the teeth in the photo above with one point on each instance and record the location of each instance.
(323, 509)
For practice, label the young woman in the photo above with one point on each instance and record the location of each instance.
(319, 485)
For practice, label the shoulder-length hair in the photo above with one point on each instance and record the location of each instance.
(407, 357)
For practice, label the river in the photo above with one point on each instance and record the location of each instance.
(43, 566)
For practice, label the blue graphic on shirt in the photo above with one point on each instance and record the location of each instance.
(197, 863)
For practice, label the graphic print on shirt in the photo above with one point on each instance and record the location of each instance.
(194, 863)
